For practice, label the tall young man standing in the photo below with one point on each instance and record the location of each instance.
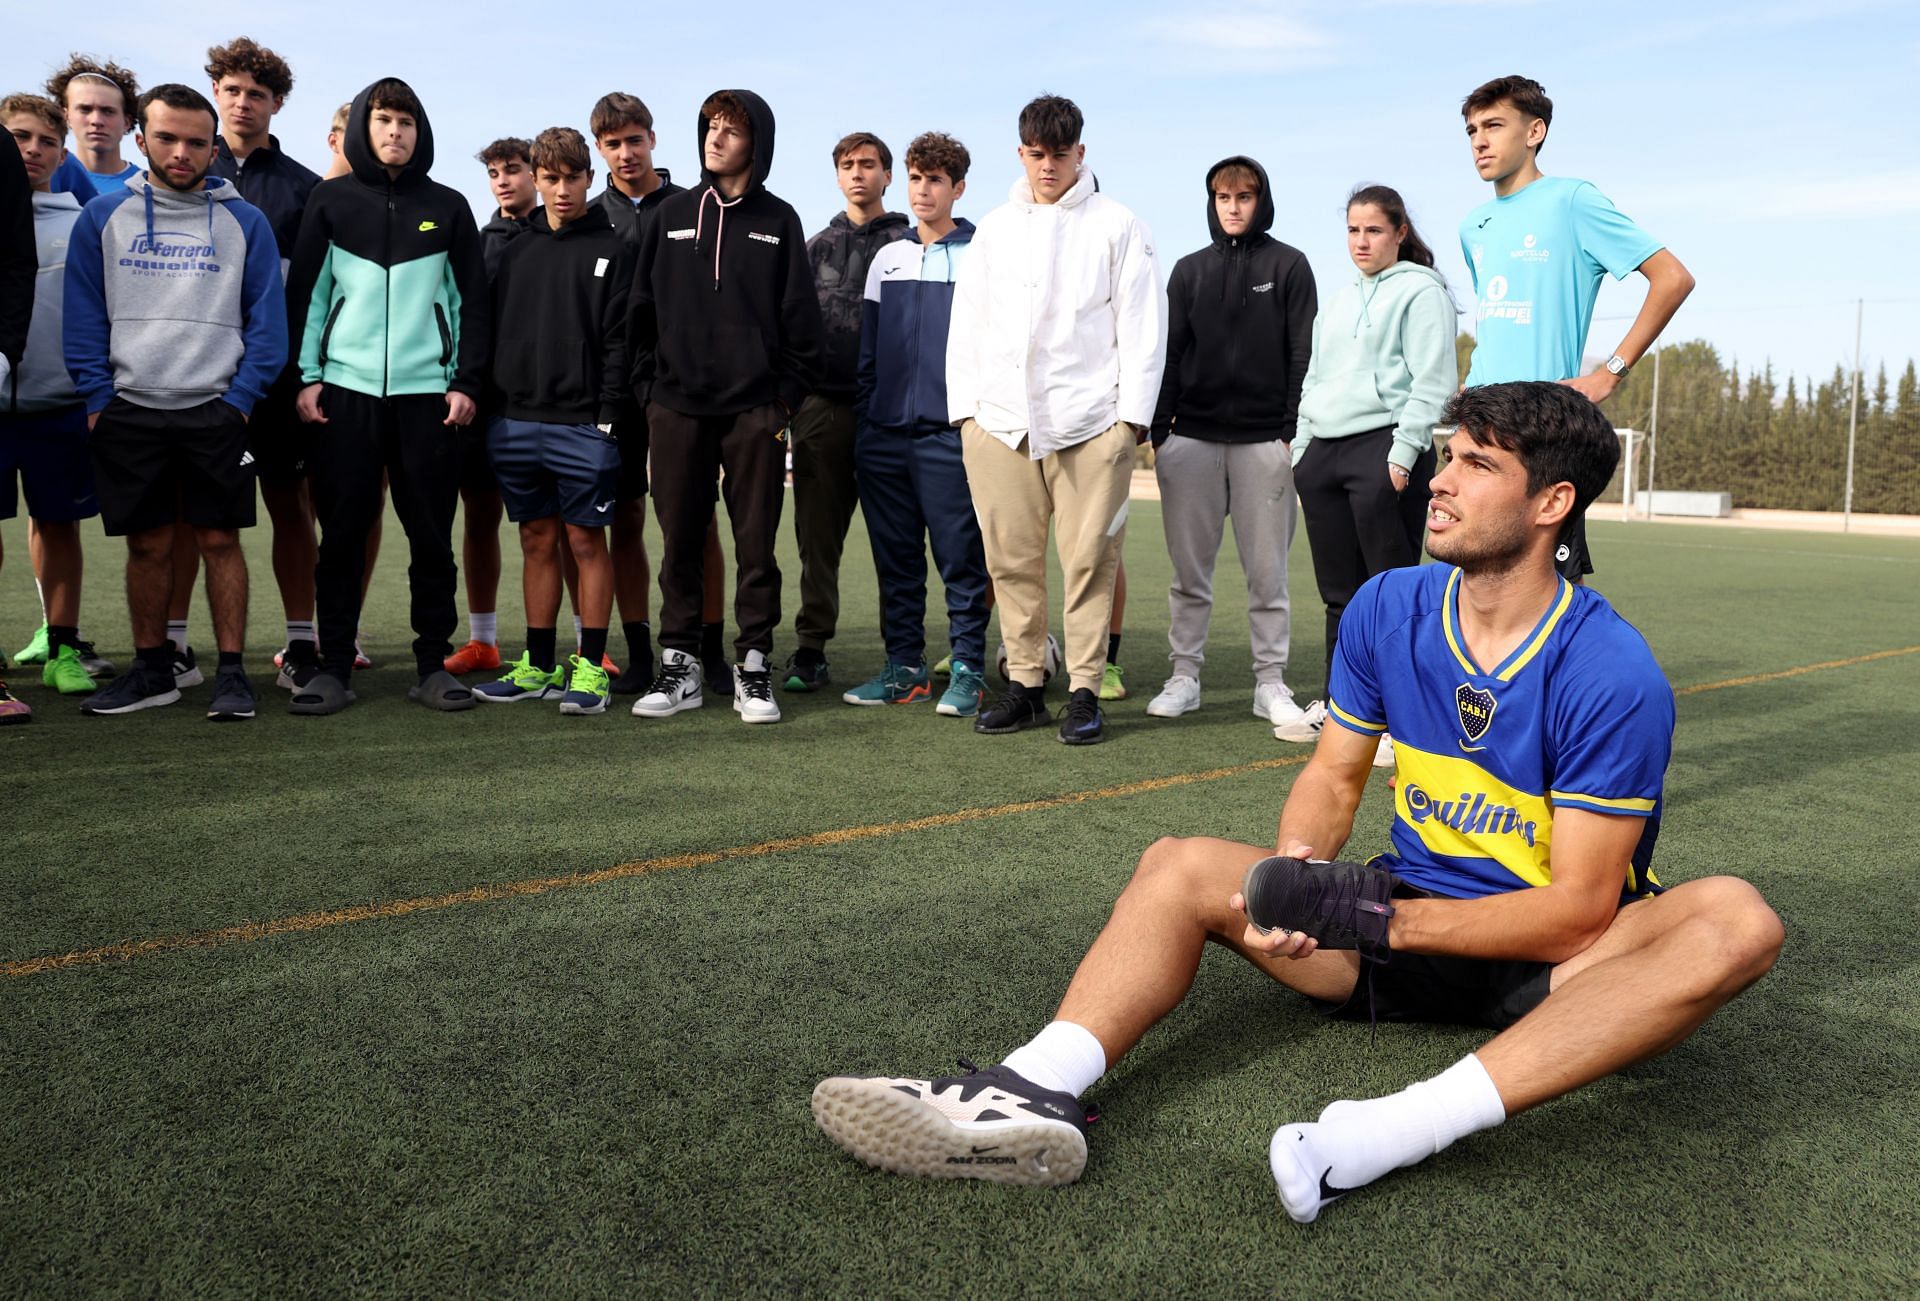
(99, 100)
(824, 491)
(390, 293)
(1528, 907)
(43, 422)
(913, 478)
(560, 305)
(250, 85)
(622, 127)
(727, 342)
(509, 164)
(1053, 368)
(1538, 250)
(1238, 343)
(172, 351)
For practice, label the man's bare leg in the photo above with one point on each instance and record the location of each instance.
(1649, 981)
(186, 569)
(226, 586)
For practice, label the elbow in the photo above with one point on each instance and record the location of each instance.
(1577, 933)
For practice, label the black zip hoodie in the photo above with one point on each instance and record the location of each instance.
(560, 321)
(840, 256)
(630, 218)
(724, 315)
(1239, 332)
(405, 302)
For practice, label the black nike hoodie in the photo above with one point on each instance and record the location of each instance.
(1239, 332)
(724, 313)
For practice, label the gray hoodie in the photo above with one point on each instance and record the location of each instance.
(42, 383)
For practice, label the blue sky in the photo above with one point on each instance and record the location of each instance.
(1775, 148)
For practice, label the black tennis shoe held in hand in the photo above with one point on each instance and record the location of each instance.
(1341, 905)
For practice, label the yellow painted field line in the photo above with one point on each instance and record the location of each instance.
(247, 932)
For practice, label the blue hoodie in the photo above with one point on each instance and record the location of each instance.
(174, 299)
(903, 332)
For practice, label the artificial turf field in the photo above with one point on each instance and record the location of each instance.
(419, 1074)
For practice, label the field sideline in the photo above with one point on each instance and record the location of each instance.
(498, 1002)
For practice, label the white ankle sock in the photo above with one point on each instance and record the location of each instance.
(177, 634)
(1354, 1143)
(484, 627)
(301, 630)
(1064, 1057)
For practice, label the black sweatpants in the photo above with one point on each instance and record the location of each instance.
(688, 454)
(1357, 525)
(406, 439)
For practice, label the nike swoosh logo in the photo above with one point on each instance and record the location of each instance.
(1327, 1191)
(1469, 749)
(429, 225)
(978, 1150)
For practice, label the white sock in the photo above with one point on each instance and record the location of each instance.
(484, 627)
(177, 634)
(1354, 1143)
(41, 592)
(576, 633)
(1064, 1057)
(302, 630)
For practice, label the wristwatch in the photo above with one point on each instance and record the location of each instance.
(1617, 366)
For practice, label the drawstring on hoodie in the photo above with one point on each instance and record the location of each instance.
(153, 238)
(719, 230)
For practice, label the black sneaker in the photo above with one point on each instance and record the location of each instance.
(1018, 707)
(232, 695)
(990, 1124)
(1342, 905)
(186, 669)
(131, 692)
(806, 670)
(1081, 723)
(298, 663)
(635, 680)
(717, 673)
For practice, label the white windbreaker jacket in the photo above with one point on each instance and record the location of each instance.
(1059, 325)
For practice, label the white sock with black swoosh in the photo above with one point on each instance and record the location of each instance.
(1354, 1143)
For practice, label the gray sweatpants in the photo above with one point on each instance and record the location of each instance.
(1202, 484)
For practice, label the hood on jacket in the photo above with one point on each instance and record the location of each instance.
(1262, 211)
(760, 118)
(212, 190)
(359, 153)
(885, 221)
(1084, 187)
(1371, 286)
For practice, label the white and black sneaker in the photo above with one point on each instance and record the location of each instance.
(677, 687)
(753, 690)
(186, 669)
(986, 1124)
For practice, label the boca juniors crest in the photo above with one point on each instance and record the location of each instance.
(1475, 708)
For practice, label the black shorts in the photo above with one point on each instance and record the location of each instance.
(1571, 556)
(476, 466)
(1450, 991)
(632, 432)
(278, 438)
(151, 467)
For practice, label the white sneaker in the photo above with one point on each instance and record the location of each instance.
(677, 687)
(1273, 703)
(1306, 727)
(1180, 696)
(753, 690)
(1383, 753)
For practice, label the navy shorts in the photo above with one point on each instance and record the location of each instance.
(572, 471)
(46, 452)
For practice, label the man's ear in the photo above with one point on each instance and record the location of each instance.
(1556, 504)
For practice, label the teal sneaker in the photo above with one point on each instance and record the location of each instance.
(36, 651)
(522, 681)
(67, 674)
(588, 687)
(896, 684)
(966, 688)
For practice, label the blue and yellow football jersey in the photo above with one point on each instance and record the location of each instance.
(1578, 716)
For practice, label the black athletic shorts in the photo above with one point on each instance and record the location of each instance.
(1451, 991)
(1571, 557)
(151, 467)
(476, 465)
(278, 438)
(632, 433)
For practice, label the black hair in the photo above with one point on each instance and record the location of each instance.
(1556, 431)
(174, 95)
(1388, 200)
(1052, 122)
(1524, 93)
(396, 96)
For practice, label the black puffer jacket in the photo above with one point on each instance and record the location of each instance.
(840, 256)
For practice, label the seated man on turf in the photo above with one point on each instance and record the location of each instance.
(1518, 895)
(560, 304)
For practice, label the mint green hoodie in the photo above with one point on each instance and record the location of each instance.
(1382, 355)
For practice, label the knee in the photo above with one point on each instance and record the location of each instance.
(217, 544)
(588, 545)
(538, 539)
(154, 546)
(1170, 865)
(1739, 929)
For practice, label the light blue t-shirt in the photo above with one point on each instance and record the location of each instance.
(1537, 256)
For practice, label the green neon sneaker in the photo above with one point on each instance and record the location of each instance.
(896, 684)
(36, 651)
(1111, 687)
(522, 681)
(944, 669)
(965, 691)
(587, 688)
(67, 674)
